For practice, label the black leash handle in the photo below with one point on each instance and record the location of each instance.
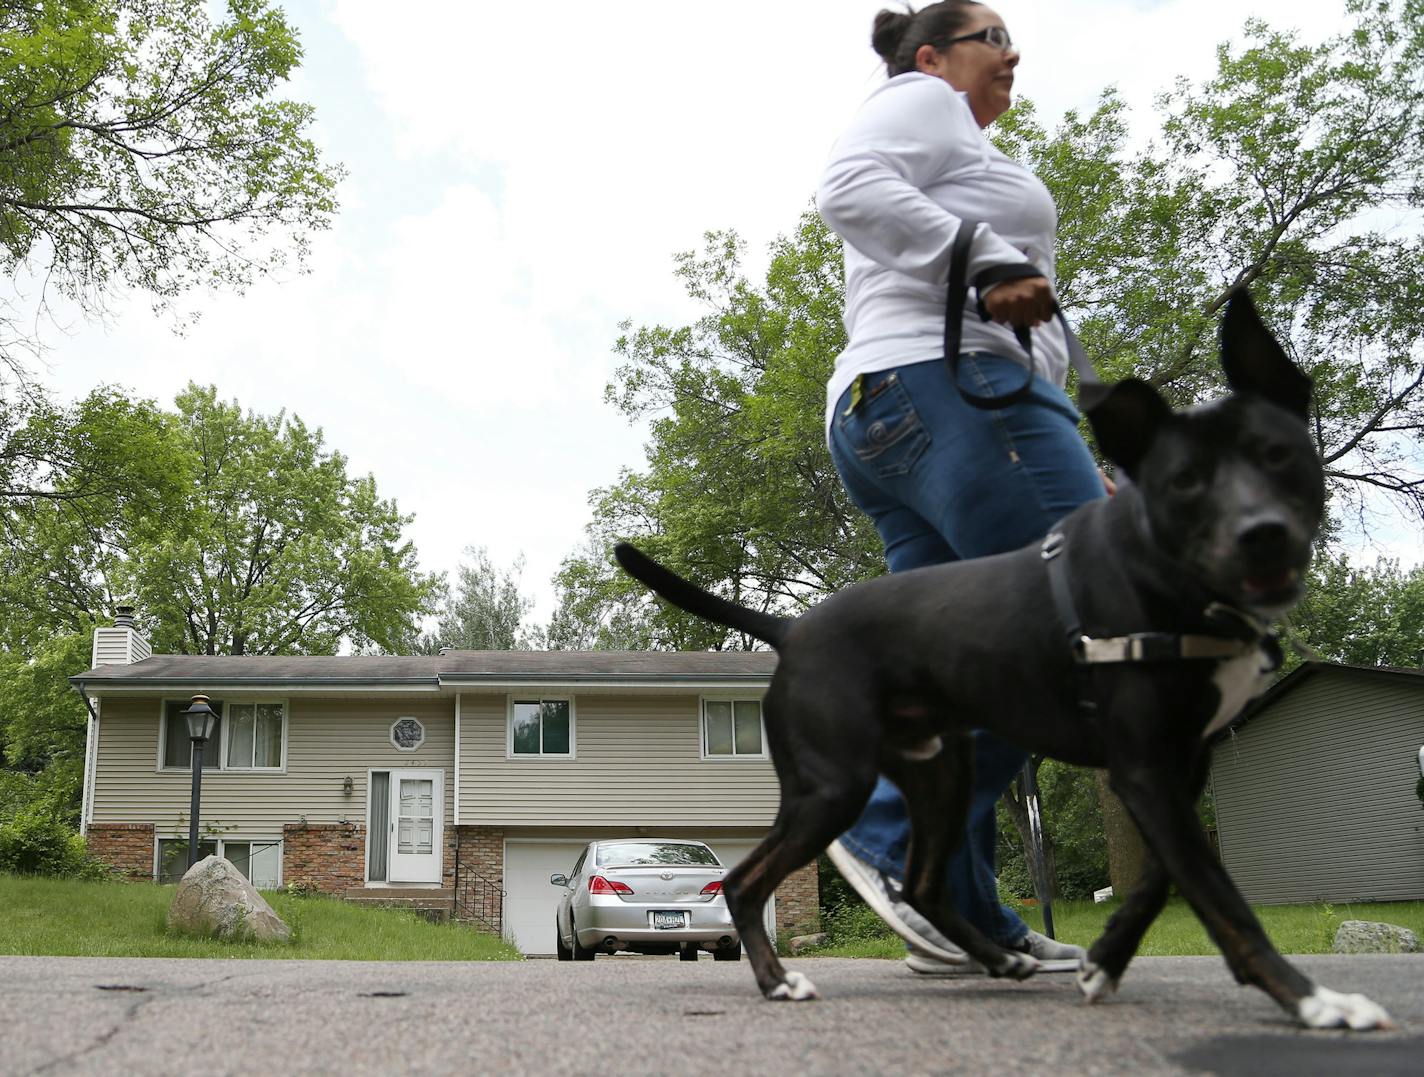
(1090, 387)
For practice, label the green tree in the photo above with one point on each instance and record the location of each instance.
(75, 484)
(232, 532)
(275, 549)
(1363, 615)
(143, 144)
(42, 729)
(487, 610)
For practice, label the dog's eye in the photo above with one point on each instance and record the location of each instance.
(1188, 480)
(1277, 455)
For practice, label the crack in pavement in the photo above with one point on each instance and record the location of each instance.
(103, 1039)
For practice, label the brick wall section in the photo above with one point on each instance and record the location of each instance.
(328, 857)
(482, 853)
(126, 847)
(450, 839)
(798, 901)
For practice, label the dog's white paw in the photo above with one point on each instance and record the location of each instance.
(795, 988)
(1094, 982)
(1330, 1009)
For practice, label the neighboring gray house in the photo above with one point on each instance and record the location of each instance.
(471, 775)
(1315, 789)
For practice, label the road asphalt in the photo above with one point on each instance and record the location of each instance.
(641, 1015)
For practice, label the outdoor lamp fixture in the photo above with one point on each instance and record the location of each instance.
(347, 785)
(200, 718)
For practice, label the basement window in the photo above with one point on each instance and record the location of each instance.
(260, 861)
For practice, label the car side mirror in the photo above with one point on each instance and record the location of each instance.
(559, 880)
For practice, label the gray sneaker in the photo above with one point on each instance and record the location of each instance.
(1053, 956)
(883, 894)
(928, 965)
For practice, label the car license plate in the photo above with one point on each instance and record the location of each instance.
(669, 919)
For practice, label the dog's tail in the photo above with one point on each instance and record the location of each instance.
(694, 599)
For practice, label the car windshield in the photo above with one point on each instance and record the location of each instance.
(634, 853)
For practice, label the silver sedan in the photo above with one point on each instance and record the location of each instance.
(647, 895)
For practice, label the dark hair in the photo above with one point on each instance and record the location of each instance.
(897, 35)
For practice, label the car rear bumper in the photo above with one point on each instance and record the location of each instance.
(707, 924)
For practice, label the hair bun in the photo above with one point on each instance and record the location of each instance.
(888, 31)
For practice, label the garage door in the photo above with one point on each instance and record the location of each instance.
(530, 900)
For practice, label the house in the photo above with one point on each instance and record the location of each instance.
(469, 777)
(1315, 789)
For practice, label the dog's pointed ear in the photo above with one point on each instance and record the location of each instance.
(1125, 420)
(1255, 363)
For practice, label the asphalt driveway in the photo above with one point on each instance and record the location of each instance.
(629, 1016)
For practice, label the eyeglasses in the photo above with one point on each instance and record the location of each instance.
(995, 36)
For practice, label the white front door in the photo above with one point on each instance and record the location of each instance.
(416, 807)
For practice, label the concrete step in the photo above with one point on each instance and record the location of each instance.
(399, 895)
(433, 904)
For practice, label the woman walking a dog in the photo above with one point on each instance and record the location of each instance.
(941, 479)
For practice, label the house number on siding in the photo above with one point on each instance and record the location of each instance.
(408, 734)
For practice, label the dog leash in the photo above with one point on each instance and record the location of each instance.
(1090, 387)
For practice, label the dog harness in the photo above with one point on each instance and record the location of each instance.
(1248, 633)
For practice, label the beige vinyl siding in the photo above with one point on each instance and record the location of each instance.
(118, 647)
(637, 764)
(1315, 796)
(327, 740)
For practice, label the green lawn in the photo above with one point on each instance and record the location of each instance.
(112, 919)
(1295, 929)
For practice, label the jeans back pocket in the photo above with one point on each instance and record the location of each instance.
(884, 430)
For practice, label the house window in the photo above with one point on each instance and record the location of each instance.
(731, 728)
(541, 727)
(178, 746)
(254, 738)
(407, 734)
(259, 861)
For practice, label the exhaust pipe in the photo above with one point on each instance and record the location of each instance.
(725, 941)
(610, 942)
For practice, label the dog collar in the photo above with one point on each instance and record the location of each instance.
(1249, 636)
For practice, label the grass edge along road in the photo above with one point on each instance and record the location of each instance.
(1295, 929)
(69, 918)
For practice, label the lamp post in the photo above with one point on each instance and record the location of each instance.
(200, 719)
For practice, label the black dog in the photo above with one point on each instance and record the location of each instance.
(1123, 642)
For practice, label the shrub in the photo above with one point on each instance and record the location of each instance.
(38, 844)
(852, 922)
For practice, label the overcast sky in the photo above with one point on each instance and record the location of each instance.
(520, 178)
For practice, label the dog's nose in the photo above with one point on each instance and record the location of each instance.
(1264, 541)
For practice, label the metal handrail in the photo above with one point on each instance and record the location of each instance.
(478, 899)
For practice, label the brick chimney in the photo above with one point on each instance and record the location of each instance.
(121, 645)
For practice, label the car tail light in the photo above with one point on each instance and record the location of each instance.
(712, 889)
(597, 884)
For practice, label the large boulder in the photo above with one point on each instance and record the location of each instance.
(1369, 937)
(807, 942)
(216, 900)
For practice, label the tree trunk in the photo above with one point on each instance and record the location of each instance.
(1125, 848)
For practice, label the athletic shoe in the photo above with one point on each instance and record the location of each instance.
(928, 965)
(1052, 955)
(884, 894)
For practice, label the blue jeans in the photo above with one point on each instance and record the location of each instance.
(945, 481)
